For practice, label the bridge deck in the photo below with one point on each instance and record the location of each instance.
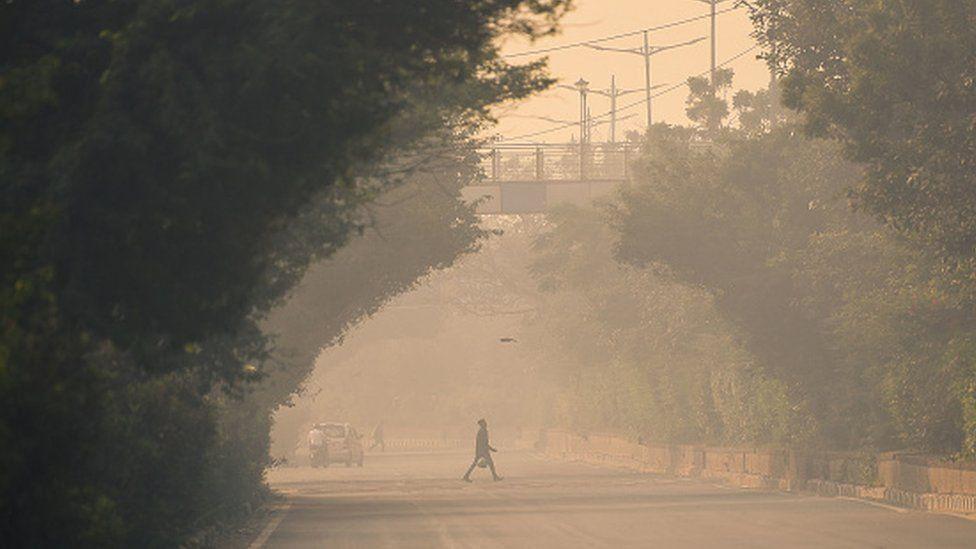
(530, 178)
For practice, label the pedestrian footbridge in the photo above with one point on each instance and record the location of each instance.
(530, 178)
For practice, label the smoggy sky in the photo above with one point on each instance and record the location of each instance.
(597, 18)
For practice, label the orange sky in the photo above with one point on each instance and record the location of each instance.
(596, 18)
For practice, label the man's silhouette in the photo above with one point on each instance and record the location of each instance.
(378, 438)
(482, 452)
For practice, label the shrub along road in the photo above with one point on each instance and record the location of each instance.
(416, 500)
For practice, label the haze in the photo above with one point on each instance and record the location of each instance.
(596, 19)
(362, 274)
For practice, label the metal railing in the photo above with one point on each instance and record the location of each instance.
(535, 162)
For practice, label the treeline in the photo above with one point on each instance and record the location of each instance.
(635, 350)
(803, 278)
(169, 170)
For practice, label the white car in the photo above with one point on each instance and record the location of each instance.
(342, 445)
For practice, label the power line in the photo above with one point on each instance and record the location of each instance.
(635, 104)
(616, 36)
(646, 52)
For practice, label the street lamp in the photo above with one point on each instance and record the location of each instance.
(583, 87)
(613, 93)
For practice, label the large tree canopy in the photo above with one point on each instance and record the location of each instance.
(896, 82)
(171, 140)
(845, 316)
(169, 169)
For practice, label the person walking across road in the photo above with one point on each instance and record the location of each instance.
(378, 438)
(482, 453)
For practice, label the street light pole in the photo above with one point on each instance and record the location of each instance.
(582, 86)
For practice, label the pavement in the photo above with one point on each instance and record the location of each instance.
(417, 500)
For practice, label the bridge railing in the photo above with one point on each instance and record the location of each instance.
(557, 162)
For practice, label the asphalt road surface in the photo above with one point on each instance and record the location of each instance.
(418, 501)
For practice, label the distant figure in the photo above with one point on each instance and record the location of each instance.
(316, 437)
(378, 438)
(316, 447)
(482, 453)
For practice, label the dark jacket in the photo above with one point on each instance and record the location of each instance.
(481, 447)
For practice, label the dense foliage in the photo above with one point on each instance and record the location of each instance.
(895, 81)
(634, 349)
(168, 171)
(753, 304)
(704, 105)
(862, 315)
(418, 227)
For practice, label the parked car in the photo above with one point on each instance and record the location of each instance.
(342, 444)
(318, 457)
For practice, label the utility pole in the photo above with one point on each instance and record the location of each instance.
(613, 93)
(647, 80)
(712, 72)
(613, 108)
(647, 51)
(713, 88)
(712, 4)
(589, 125)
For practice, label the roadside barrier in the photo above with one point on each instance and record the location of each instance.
(426, 444)
(903, 479)
(429, 444)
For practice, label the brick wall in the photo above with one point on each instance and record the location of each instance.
(902, 479)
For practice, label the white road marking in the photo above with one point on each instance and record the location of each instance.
(271, 527)
(874, 503)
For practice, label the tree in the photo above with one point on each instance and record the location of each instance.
(757, 111)
(830, 305)
(894, 82)
(169, 169)
(729, 223)
(705, 107)
(209, 107)
(637, 350)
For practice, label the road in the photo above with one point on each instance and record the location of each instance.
(417, 501)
